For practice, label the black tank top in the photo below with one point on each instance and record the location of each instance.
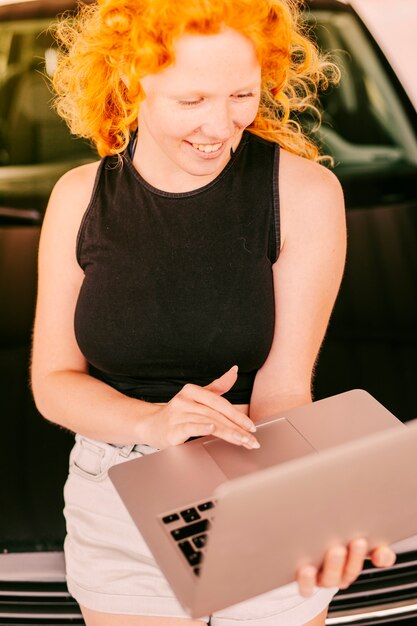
(178, 286)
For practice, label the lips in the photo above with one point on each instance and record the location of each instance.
(207, 147)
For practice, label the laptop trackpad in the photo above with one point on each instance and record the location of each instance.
(279, 440)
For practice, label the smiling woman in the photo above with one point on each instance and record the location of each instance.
(185, 281)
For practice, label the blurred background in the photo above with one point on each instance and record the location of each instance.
(393, 23)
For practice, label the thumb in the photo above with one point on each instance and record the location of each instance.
(225, 382)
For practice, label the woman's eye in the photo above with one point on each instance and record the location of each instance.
(241, 96)
(188, 103)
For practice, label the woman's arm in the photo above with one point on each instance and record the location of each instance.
(307, 276)
(64, 392)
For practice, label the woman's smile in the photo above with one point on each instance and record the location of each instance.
(207, 147)
(207, 150)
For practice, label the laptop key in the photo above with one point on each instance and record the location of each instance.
(190, 515)
(200, 541)
(190, 554)
(205, 506)
(170, 518)
(192, 529)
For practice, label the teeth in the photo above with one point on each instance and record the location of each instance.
(207, 147)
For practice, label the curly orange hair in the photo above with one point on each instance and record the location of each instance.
(134, 38)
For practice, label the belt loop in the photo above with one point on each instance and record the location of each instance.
(126, 450)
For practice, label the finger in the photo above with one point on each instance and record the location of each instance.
(184, 430)
(182, 409)
(383, 556)
(236, 436)
(357, 552)
(225, 382)
(222, 428)
(307, 580)
(221, 405)
(331, 571)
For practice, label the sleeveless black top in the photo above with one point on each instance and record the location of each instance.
(178, 286)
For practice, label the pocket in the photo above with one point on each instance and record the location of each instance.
(91, 459)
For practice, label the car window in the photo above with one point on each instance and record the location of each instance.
(365, 127)
(35, 144)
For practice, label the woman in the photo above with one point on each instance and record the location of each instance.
(185, 281)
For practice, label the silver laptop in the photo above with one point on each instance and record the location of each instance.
(225, 523)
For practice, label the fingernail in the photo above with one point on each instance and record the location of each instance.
(246, 440)
(338, 554)
(385, 559)
(360, 545)
(241, 438)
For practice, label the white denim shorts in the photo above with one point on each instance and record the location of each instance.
(110, 568)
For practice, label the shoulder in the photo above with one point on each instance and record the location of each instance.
(310, 196)
(75, 185)
(300, 177)
(68, 202)
(71, 195)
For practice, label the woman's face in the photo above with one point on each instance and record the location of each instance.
(195, 111)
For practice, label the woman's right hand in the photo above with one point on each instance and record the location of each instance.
(198, 411)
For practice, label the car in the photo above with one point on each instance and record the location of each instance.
(370, 129)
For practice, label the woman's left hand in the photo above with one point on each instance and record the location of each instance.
(342, 565)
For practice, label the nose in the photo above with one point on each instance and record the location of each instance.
(219, 124)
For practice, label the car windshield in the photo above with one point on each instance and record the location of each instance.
(35, 144)
(365, 126)
(364, 123)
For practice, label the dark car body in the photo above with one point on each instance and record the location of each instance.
(370, 128)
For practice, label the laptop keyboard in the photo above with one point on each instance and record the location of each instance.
(189, 528)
